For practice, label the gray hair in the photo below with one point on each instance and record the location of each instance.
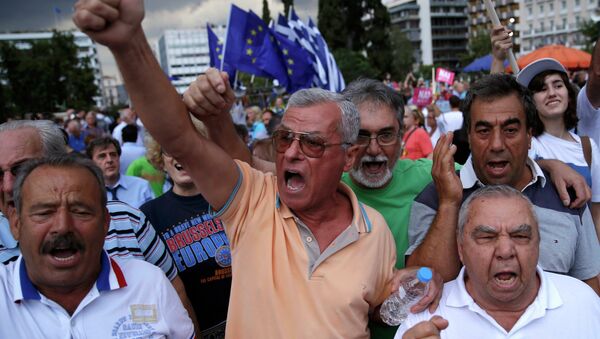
(490, 191)
(350, 122)
(52, 138)
(64, 161)
(372, 91)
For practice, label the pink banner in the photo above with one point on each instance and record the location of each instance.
(422, 96)
(444, 75)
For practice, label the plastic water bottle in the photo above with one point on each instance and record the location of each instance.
(396, 307)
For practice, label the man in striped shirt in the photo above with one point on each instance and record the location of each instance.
(129, 235)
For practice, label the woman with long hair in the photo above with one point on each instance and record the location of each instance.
(553, 133)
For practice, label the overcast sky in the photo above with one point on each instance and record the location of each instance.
(32, 15)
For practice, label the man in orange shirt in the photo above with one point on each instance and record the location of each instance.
(308, 259)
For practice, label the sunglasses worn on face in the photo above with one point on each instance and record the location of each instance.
(311, 145)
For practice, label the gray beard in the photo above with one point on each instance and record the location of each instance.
(371, 181)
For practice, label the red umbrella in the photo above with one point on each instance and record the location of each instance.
(570, 58)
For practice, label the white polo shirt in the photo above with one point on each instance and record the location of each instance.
(564, 308)
(130, 299)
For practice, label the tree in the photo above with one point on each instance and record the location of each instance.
(46, 77)
(360, 26)
(402, 54)
(377, 36)
(266, 13)
(479, 45)
(286, 6)
(353, 65)
(591, 31)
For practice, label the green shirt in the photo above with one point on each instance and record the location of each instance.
(394, 201)
(142, 168)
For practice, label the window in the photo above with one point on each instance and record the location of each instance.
(542, 9)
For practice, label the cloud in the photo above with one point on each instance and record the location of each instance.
(161, 15)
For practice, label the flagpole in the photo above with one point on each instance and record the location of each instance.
(496, 22)
(225, 43)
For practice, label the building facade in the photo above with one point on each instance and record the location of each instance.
(508, 13)
(86, 48)
(437, 29)
(555, 22)
(183, 54)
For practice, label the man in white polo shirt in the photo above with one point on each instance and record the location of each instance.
(501, 292)
(64, 284)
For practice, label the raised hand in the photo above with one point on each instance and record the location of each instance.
(112, 23)
(447, 182)
(501, 42)
(210, 95)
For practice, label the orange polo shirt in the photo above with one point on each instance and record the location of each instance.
(281, 287)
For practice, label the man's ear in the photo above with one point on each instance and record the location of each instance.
(351, 154)
(15, 223)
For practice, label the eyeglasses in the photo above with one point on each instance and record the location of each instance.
(383, 139)
(311, 145)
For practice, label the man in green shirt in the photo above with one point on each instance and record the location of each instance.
(378, 178)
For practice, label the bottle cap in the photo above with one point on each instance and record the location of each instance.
(424, 274)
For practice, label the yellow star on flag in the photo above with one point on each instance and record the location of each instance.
(249, 51)
(218, 49)
(290, 61)
(260, 28)
(249, 41)
(285, 51)
(220, 57)
(253, 60)
(253, 32)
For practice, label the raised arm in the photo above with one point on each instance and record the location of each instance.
(593, 83)
(117, 25)
(438, 249)
(501, 43)
(219, 122)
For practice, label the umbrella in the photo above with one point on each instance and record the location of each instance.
(570, 58)
(482, 64)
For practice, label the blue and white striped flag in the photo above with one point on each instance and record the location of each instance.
(335, 79)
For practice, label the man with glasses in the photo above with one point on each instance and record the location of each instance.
(308, 259)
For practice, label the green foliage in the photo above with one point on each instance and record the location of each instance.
(266, 13)
(402, 54)
(478, 46)
(342, 26)
(334, 25)
(591, 31)
(46, 77)
(353, 65)
(377, 36)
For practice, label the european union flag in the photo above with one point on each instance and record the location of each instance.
(251, 48)
(293, 32)
(298, 63)
(215, 52)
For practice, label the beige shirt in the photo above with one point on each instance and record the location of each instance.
(281, 288)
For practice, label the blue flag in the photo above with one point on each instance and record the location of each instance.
(250, 46)
(215, 52)
(298, 63)
(293, 31)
